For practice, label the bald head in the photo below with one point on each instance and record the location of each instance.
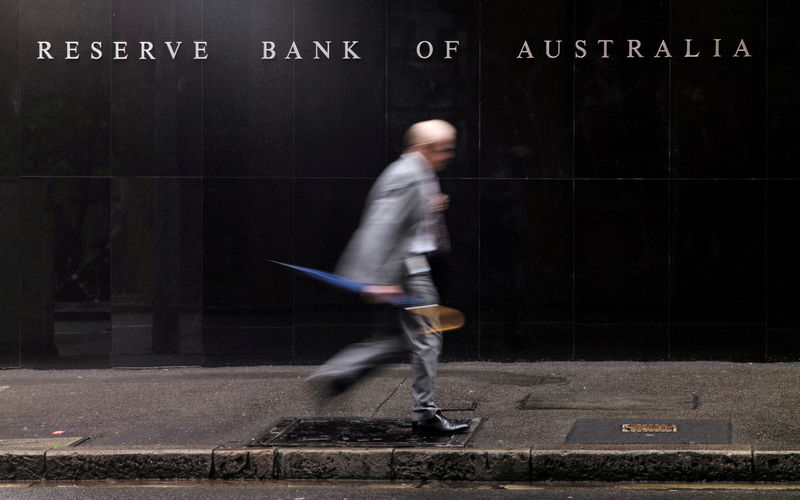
(435, 139)
(428, 131)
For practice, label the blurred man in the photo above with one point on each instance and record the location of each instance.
(402, 223)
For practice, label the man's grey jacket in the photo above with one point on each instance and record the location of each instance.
(392, 227)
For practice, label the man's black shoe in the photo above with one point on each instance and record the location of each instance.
(438, 424)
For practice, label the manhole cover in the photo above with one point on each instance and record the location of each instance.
(610, 402)
(649, 431)
(359, 432)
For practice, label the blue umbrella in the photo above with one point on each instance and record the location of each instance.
(345, 284)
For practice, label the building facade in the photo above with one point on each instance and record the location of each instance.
(624, 188)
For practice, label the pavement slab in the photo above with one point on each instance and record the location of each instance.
(148, 418)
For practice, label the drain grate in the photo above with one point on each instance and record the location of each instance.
(359, 432)
(649, 431)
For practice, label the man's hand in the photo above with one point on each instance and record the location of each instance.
(438, 202)
(378, 294)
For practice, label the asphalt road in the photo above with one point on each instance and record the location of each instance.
(377, 491)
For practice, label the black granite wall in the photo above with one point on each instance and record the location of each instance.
(601, 207)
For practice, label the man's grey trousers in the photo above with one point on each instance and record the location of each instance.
(423, 349)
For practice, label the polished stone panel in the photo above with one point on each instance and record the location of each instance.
(732, 342)
(247, 300)
(621, 100)
(340, 112)
(248, 103)
(10, 277)
(327, 213)
(316, 343)
(232, 343)
(247, 223)
(718, 104)
(717, 270)
(9, 88)
(782, 344)
(66, 126)
(526, 341)
(526, 251)
(156, 112)
(64, 263)
(457, 272)
(156, 265)
(645, 342)
(602, 206)
(462, 344)
(526, 104)
(621, 251)
(783, 78)
(783, 266)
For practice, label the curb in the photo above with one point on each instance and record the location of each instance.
(539, 463)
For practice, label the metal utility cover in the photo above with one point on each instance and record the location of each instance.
(649, 428)
(610, 402)
(359, 432)
(649, 431)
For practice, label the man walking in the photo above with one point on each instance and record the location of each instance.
(402, 223)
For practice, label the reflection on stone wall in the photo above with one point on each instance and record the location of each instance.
(601, 208)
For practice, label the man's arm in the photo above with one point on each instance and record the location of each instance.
(379, 294)
(375, 252)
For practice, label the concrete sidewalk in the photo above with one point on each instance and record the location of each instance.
(198, 422)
